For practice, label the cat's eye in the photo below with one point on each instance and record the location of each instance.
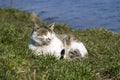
(37, 28)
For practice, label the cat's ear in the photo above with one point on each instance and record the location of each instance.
(35, 27)
(71, 38)
(68, 39)
(51, 26)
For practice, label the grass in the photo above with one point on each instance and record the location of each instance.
(18, 63)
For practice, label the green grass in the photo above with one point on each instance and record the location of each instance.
(18, 63)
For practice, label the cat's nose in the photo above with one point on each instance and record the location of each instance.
(48, 39)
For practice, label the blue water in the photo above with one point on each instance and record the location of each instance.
(79, 14)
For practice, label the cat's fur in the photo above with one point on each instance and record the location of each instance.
(43, 40)
(73, 48)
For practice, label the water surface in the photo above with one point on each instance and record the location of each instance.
(79, 14)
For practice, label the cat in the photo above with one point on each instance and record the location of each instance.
(43, 40)
(74, 48)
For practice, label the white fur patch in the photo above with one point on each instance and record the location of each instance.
(80, 47)
(54, 48)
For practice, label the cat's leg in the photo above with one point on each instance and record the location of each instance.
(62, 54)
(74, 54)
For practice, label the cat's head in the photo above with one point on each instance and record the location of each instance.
(42, 35)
